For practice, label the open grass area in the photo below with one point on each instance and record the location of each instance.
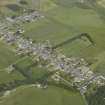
(63, 22)
(52, 95)
(7, 55)
(64, 19)
(30, 70)
(6, 77)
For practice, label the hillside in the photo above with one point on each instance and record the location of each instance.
(76, 28)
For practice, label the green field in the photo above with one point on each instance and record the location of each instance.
(63, 20)
(52, 95)
(5, 77)
(31, 70)
(7, 55)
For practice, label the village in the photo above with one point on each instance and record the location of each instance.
(77, 68)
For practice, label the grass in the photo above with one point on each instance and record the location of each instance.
(32, 70)
(6, 77)
(99, 66)
(52, 95)
(63, 20)
(7, 55)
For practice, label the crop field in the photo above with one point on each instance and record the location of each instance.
(63, 20)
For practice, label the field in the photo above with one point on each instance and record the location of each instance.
(52, 96)
(63, 20)
(7, 55)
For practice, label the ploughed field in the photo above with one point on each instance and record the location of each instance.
(64, 19)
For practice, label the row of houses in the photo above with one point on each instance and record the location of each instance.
(26, 17)
(11, 27)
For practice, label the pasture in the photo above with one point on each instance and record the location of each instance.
(51, 95)
(7, 55)
(64, 19)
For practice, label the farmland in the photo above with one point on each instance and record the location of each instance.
(50, 94)
(7, 56)
(63, 20)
